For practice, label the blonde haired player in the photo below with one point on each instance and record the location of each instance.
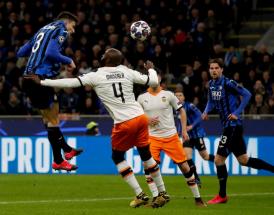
(158, 105)
(113, 83)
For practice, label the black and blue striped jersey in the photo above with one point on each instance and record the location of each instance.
(224, 96)
(193, 118)
(44, 50)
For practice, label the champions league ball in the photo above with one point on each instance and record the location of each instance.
(139, 30)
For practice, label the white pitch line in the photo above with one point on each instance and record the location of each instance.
(116, 199)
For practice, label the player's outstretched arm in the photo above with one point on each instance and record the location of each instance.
(60, 83)
(150, 79)
(54, 54)
(25, 50)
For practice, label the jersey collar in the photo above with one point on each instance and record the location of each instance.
(154, 93)
(219, 80)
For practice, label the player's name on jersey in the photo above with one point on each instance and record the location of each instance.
(50, 27)
(115, 76)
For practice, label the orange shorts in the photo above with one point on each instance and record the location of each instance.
(133, 132)
(172, 146)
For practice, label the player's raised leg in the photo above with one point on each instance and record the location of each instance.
(57, 141)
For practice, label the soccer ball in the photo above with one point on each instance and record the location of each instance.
(139, 30)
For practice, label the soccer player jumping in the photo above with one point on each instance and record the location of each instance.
(45, 58)
(223, 96)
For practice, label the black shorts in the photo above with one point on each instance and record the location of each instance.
(232, 140)
(199, 144)
(41, 97)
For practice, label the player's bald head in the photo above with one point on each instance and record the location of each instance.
(112, 57)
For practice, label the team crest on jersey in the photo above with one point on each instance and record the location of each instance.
(163, 99)
(61, 39)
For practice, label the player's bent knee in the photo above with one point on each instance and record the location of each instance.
(144, 153)
(243, 161)
(153, 169)
(118, 156)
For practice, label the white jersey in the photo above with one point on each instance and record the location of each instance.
(114, 86)
(160, 105)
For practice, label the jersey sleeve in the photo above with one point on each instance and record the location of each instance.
(88, 79)
(140, 100)
(61, 83)
(209, 105)
(54, 47)
(146, 79)
(246, 95)
(234, 86)
(196, 114)
(25, 50)
(175, 103)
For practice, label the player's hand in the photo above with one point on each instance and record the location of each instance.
(71, 66)
(34, 78)
(148, 65)
(152, 121)
(185, 136)
(232, 117)
(204, 116)
(188, 128)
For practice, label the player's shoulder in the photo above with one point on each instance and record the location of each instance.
(231, 82)
(144, 94)
(91, 73)
(192, 106)
(168, 92)
(124, 68)
(186, 103)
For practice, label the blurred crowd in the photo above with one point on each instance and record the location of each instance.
(185, 34)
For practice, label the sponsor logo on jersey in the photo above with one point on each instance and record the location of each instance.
(163, 99)
(216, 95)
(61, 39)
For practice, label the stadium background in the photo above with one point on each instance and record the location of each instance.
(185, 33)
(182, 41)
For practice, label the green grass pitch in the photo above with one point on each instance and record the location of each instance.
(108, 194)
